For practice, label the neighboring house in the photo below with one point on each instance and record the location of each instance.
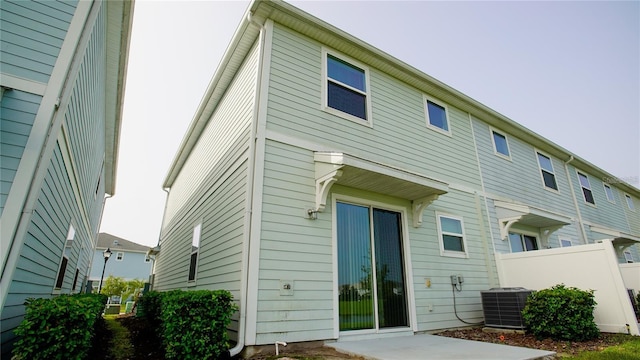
(128, 260)
(339, 193)
(62, 71)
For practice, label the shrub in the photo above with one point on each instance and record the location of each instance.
(195, 323)
(561, 313)
(149, 308)
(59, 327)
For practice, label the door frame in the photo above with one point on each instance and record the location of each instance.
(406, 249)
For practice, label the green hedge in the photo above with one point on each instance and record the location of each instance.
(561, 313)
(191, 324)
(195, 323)
(59, 327)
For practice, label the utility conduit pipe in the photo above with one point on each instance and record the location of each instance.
(279, 343)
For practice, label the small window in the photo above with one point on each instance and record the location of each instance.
(521, 242)
(546, 168)
(147, 259)
(437, 117)
(627, 257)
(451, 231)
(609, 192)
(195, 246)
(61, 272)
(586, 188)
(119, 256)
(75, 280)
(71, 234)
(629, 202)
(565, 242)
(500, 144)
(346, 88)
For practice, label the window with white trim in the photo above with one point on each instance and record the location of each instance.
(119, 256)
(546, 169)
(75, 280)
(587, 194)
(437, 115)
(195, 247)
(451, 234)
(522, 242)
(346, 88)
(71, 234)
(629, 202)
(628, 257)
(565, 242)
(500, 144)
(609, 192)
(61, 272)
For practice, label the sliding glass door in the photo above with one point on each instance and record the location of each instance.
(371, 278)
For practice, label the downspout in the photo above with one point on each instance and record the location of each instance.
(244, 281)
(575, 200)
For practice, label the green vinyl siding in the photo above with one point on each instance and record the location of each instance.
(293, 248)
(519, 179)
(224, 138)
(211, 190)
(17, 113)
(398, 136)
(604, 212)
(297, 249)
(32, 34)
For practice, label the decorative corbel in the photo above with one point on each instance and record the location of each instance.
(505, 225)
(418, 207)
(546, 232)
(323, 185)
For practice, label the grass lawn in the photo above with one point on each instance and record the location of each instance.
(629, 350)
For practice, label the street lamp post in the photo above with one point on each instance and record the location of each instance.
(106, 254)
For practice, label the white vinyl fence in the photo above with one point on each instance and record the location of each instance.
(586, 267)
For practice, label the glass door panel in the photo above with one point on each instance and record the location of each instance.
(371, 279)
(355, 283)
(390, 279)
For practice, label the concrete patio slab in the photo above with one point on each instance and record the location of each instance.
(424, 347)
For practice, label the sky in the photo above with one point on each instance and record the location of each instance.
(569, 71)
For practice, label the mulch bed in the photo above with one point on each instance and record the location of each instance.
(529, 341)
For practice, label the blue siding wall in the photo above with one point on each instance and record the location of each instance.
(32, 34)
(132, 266)
(17, 113)
(71, 193)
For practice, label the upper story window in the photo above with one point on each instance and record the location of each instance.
(500, 144)
(546, 168)
(119, 256)
(629, 202)
(609, 192)
(195, 247)
(586, 188)
(522, 242)
(346, 89)
(437, 116)
(451, 231)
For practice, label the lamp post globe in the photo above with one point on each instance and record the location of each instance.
(106, 254)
